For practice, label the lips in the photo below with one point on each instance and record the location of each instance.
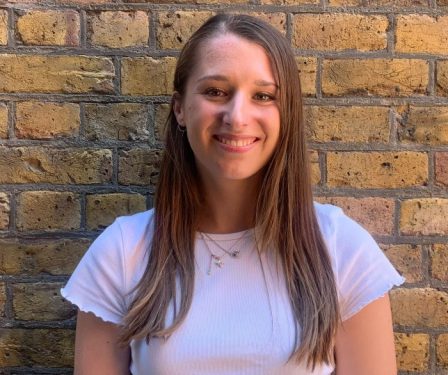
(235, 141)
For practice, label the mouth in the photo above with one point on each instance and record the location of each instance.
(235, 141)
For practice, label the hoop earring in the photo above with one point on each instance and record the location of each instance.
(181, 128)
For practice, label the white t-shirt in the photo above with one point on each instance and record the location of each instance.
(240, 321)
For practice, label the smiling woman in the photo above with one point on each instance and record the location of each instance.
(235, 270)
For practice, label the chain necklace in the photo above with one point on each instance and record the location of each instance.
(217, 259)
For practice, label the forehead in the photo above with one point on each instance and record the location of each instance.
(232, 52)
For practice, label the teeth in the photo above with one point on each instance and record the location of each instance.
(237, 143)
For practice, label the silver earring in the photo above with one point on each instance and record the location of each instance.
(181, 128)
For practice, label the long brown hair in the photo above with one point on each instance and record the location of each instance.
(284, 213)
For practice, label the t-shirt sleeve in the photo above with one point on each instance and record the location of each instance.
(363, 272)
(98, 283)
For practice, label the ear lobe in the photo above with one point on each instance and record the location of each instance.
(178, 108)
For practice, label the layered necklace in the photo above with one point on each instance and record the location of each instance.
(216, 259)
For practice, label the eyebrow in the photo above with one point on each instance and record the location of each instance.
(218, 77)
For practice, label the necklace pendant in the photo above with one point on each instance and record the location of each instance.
(235, 253)
(217, 261)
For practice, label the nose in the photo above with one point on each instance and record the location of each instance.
(237, 111)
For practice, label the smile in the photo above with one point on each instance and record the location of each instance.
(236, 142)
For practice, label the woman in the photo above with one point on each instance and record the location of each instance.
(235, 271)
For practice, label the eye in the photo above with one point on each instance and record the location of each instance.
(214, 92)
(264, 97)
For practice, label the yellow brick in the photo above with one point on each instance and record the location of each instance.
(315, 167)
(407, 259)
(19, 347)
(39, 120)
(162, 111)
(102, 209)
(289, 2)
(441, 168)
(412, 351)
(442, 78)
(116, 121)
(380, 77)
(307, 70)
(442, 347)
(424, 216)
(347, 124)
(56, 166)
(425, 125)
(4, 211)
(139, 166)
(48, 210)
(337, 32)
(3, 121)
(420, 33)
(41, 257)
(56, 74)
(375, 214)
(40, 301)
(2, 299)
(439, 262)
(174, 28)
(119, 29)
(158, 75)
(3, 27)
(49, 27)
(336, 3)
(377, 169)
(278, 20)
(419, 307)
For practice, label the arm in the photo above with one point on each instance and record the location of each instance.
(96, 348)
(365, 342)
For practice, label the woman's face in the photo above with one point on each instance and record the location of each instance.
(230, 109)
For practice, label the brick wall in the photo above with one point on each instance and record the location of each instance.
(83, 93)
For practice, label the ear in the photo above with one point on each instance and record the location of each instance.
(178, 108)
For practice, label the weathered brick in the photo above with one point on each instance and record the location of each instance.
(118, 29)
(441, 168)
(397, 3)
(2, 299)
(4, 211)
(40, 301)
(41, 257)
(3, 27)
(442, 348)
(315, 167)
(379, 77)
(424, 216)
(424, 125)
(48, 210)
(366, 211)
(56, 74)
(278, 20)
(120, 121)
(139, 167)
(347, 124)
(57, 166)
(3, 121)
(102, 209)
(147, 76)
(377, 169)
(442, 78)
(49, 27)
(39, 120)
(307, 71)
(339, 31)
(174, 28)
(407, 259)
(420, 33)
(442, 2)
(419, 307)
(412, 351)
(337, 3)
(289, 2)
(439, 262)
(208, 2)
(162, 112)
(36, 347)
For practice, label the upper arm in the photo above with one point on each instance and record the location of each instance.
(365, 342)
(96, 347)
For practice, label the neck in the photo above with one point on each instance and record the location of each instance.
(230, 206)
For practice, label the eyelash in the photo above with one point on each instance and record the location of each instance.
(216, 93)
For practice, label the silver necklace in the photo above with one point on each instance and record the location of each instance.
(217, 259)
